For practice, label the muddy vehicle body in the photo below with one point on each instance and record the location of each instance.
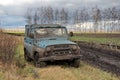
(49, 42)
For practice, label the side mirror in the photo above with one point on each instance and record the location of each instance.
(71, 34)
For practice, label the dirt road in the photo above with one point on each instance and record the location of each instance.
(102, 57)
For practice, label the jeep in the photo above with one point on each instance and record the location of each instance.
(49, 42)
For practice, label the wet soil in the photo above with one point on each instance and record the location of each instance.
(99, 35)
(104, 57)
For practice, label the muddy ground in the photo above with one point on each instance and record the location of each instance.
(104, 57)
(99, 35)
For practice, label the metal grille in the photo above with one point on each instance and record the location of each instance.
(61, 46)
(61, 50)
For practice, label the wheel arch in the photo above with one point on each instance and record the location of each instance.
(34, 53)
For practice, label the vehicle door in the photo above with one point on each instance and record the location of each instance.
(29, 41)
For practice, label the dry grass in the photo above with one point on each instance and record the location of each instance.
(56, 73)
(8, 46)
(85, 72)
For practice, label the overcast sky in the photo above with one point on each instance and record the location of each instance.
(12, 11)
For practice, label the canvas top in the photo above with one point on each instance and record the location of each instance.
(43, 25)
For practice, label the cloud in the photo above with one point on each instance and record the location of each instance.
(12, 21)
(14, 2)
(18, 7)
(2, 12)
(13, 8)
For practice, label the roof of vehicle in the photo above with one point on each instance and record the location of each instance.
(43, 25)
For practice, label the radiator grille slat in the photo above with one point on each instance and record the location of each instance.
(61, 50)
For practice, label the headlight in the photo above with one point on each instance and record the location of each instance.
(48, 49)
(74, 47)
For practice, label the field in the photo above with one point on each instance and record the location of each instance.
(61, 71)
(107, 38)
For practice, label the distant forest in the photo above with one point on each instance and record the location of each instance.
(103, 20)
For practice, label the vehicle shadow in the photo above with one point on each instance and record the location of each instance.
(63, 64)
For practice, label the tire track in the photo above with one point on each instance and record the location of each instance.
(102, 59)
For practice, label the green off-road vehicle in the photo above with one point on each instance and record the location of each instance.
(49, 42)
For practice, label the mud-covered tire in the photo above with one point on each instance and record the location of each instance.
(36, 57)
(42, 64)
(37, 63)
(75, 63)
(27, 58)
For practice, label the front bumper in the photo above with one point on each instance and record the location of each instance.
(63, 57)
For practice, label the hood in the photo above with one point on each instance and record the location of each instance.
(45, 43)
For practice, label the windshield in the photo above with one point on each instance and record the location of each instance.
(50, 32)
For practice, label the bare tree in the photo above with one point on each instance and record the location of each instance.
(28, 16)
(103, 19)
(49, 14)
(114, 19)
(119, 19)
(76, 17)
(83, 19)
(64, 16)
(42, 14)
(56, 16)
(96, 18)
(36, 16)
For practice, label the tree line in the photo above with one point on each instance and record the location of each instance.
(106, 20)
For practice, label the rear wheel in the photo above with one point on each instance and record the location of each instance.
(27, 58)
(37, 63)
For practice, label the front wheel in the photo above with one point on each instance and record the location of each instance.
(75, 63)
(27, 58)
(37, 63)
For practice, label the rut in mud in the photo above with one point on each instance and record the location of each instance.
(101, 56)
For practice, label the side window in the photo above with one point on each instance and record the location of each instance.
(31, 34)
(27, 32)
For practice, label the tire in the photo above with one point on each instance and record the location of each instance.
(75, 63)
(27, 58)
(37, 63)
